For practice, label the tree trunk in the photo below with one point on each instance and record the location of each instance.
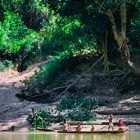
(106, 64)
(121, 39)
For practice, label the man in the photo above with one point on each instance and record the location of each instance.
(111, 122)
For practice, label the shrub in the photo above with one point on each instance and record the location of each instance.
(15, 36)
(81, 114)
(39, 118)
(48, 72)
(79, 109)
(69, 102)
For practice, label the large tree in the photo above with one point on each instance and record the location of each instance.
(107, 20)
(119, 8)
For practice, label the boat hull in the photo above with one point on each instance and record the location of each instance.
(114, 132)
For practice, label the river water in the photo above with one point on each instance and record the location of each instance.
(131, 135)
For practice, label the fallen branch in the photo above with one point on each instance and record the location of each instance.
(67, 87)
(116, 72)
(49, 91)
(81, 76)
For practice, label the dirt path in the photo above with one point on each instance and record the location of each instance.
(13, 111)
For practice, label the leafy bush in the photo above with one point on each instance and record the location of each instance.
(39, 118)
(81, 114)
(79, 109)
(43, 119)
(69, 102)
(14, 35)
(48, 72)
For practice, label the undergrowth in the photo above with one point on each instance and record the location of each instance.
(49, 71)
(6, 64)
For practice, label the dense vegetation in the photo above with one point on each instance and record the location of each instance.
(78, 109)
(65, 33)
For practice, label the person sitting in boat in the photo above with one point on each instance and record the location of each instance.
(92, 128)
(66, 126)
(111, 122)
(121, 125)
(78, 128)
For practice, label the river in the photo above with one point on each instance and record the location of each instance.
(131, 135)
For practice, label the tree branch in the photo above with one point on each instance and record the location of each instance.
(81, 76)
(48, 91)
(110, 15)
(123, 17)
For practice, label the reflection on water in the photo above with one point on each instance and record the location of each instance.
(56, 136)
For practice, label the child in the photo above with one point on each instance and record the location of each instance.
(78, 128)
(66, 126)
(92, 128)
(121, 125)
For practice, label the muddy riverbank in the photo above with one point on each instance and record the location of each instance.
(14, 111)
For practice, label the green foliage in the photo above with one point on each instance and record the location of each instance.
(65, 29)
(6, 64)
(39, 118)
(64, 38)
(134, 33)
(43, 118)
(48, 72)
(14, 35)
(69, 102)
(79, 108)
(61, 34)
(81, 114)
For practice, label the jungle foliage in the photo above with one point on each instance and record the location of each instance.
(41, 118)
(60, 32)
(63, 29)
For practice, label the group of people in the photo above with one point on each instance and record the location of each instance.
(66, 127)
(121, 126)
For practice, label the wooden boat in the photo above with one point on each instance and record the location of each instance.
(114, 132)
(44, 129)
(97, 131)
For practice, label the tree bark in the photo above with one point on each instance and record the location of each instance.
(121, 38)
(106, 63)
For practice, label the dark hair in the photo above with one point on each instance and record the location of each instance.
(78, 123)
